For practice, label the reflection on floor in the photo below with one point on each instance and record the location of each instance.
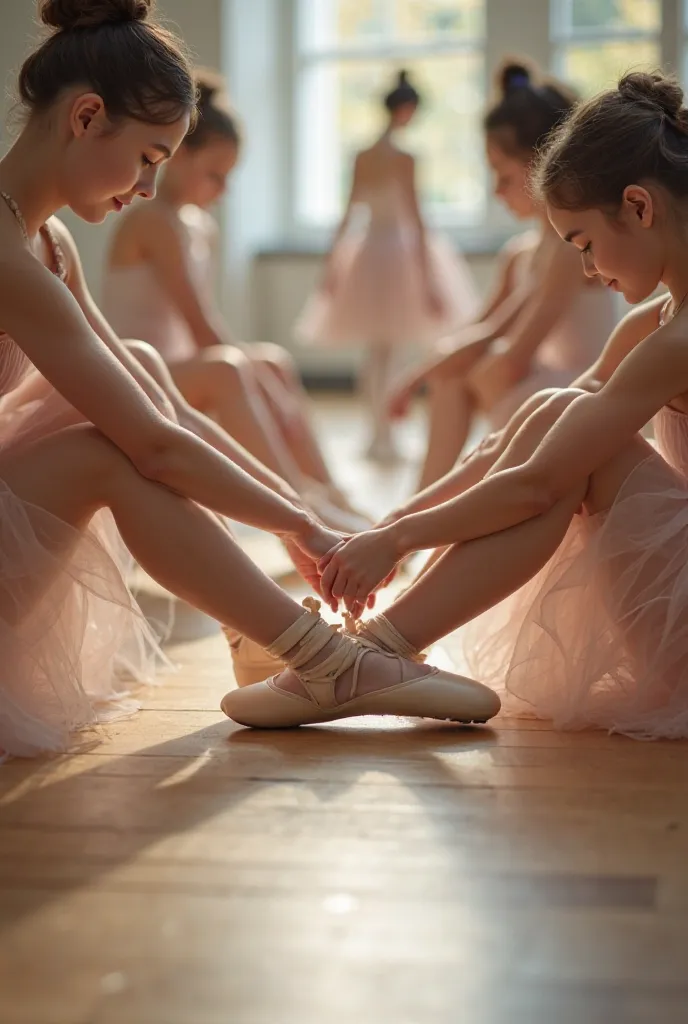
(186, 871)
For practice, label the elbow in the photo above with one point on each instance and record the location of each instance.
(158, 455)
(539, 492)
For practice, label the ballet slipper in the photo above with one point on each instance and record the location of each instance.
(250, 661)
(436, 694)
(378, 630)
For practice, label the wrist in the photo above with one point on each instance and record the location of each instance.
(400, 535)
(303, 526)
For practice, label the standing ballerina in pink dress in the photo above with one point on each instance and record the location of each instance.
(109, 97)
(159, 285)
(544, 324)
(396, 284)
(569, 526)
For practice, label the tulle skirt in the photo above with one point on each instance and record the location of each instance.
(72, 637)
(379, 296)
(599, 637)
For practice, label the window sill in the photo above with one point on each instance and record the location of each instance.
(485, 244)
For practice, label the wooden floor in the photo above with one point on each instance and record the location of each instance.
(186, 871)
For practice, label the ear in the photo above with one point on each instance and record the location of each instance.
(88, 114)
(638, 205)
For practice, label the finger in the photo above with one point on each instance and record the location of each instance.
(325, 560)
(327, 579)
(371, 600)
(339, 587)
(349, 595)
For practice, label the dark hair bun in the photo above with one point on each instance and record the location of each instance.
(66, 15)
(209, 84)
(653, 90)
(513, 75)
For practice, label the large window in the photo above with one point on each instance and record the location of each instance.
(597, 40)
(347, 54)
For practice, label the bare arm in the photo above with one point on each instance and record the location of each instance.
(45, 320)
(549, 301)
(164, 247)
(593, 428)
(634, 327)
(457, 353)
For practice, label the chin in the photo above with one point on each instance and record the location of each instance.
(95, 214)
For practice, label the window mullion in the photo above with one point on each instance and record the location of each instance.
(672, 35)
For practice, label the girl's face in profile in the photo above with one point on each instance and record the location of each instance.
(204, 171)
(107, 165)
(625, 251)
(511, 180)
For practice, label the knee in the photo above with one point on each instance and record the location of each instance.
(542, 411)
(227, 371)
(275, 358)
(148, 356)
(89, 460)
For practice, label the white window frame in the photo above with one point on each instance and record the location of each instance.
(670, 37)
(388, 51)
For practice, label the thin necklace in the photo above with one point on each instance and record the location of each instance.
(663, 321)
(56, 248)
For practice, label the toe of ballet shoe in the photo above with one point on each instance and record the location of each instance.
(262, 706)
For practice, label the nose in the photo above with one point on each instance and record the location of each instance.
(147, 184)
(589, 268)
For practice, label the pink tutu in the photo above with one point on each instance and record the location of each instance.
(379, 296)
(69, 627)
(599, 637)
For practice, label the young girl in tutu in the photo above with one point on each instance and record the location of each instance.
(159, 287)
(570, 493)
(545, 323)
(394, 285)
(109, 97)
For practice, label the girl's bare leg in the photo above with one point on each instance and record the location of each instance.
(469, 578)
(374, 383)
(450, 415)
(76, 471)
(221, 381)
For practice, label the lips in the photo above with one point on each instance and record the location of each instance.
(118, 205)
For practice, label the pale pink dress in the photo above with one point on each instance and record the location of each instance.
(573, 345)
(136, 304)
(69, 626)
(599, 637)
(379, 295)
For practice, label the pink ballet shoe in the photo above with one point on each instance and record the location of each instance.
(250, 661)
(435, 694)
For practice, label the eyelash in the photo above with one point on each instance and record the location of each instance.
(146, 162)
(587, 250)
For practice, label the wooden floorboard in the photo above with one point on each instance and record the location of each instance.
(182, 870)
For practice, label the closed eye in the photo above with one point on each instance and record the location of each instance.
(588, 250)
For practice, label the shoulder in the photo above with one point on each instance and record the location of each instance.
(643, 320)
(523, 244)
(159, 229)
(199, 222)
(520, 247)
